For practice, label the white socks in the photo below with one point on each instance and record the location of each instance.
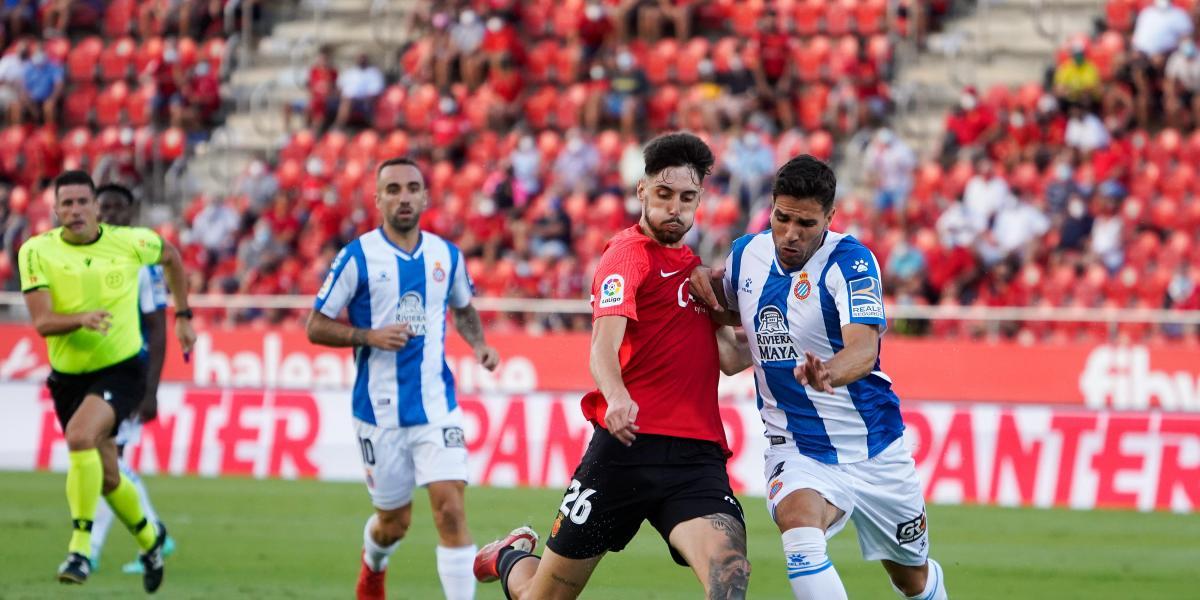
(454, 568)
(374, 555)
(104, 514)
(810, 571)
(935, 584)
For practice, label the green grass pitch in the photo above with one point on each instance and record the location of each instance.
(242, 538)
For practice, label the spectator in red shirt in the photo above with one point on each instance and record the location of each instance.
(500, 40)
(594, 29)
(509, 87)
(447, 130)
(203, 96)
(167, 76)
(972, 125)
(322, 103)
(772, 71)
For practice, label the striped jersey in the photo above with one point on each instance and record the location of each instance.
(380, 284)
(788, 312)
(152, 297)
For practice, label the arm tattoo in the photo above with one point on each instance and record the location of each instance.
(571, 584)
(466, 321)
(728, 570)
(358, 337)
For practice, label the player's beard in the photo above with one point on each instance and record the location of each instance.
(404, 224)
(667, 236)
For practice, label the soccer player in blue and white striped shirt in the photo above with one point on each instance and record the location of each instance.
(811, 303)
(396, 283)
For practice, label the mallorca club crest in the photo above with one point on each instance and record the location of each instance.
(802, 288)
(439, 274)
(557, 525)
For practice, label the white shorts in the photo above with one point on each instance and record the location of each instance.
(129, 432)
(882, 495)
(398, 459)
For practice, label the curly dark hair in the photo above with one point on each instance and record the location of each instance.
(806, 177)
(678, 150)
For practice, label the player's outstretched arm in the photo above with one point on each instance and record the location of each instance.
(47, 322)
(706, 285)
(326, 332)
(855, 361)
(177, 283)
(605, 365)
(470, 327)
(734, 353)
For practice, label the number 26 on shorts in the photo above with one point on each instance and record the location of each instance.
(582, 508)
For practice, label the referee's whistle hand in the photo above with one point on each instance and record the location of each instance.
(97, 320)
(186, 335)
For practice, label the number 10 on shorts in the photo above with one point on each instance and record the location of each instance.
(582, 508)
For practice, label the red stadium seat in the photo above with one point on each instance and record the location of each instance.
(349, 179)
(214, 52)
(1180, 182)
(77, 106)
(116, 61)
(820, 145)
(998, 96)
(389, 108)
(188, 52)
(299, 146)
(171, 144)
(541, 60)
(687, 68)
(660, 60)
(289, 174)
(723, 52)
(540, 106)
(331, 148)
(364, 148)
(1028, 96)
(570, 105)
(879, 48)
(843, 57)
(1165, 147)
(806, 16)
(394, 145)
(609, 145)
(150, 51)
(661, 106)
(1106, 52)
(870, 17)
(118, 18)
(810, 60)
(82, 60)
(138, 105)
(1120, 14)
(110, 104)
(549, 143)
(57, 49)
(811, 105)
(420, 107)
(440, 176)
(838, 16)
(484, 148)
(76, 143)
(743, 17)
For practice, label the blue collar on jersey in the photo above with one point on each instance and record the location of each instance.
(779, 265)
(415, 250)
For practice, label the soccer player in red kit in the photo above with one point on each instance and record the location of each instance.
(658, 452)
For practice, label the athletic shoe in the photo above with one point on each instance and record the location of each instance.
(134, 567)
(487, 560)
(75, 569)
(370, 583)
(152, 561)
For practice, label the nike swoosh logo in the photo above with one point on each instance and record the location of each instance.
(666, 274)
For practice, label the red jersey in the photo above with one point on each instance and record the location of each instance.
(668, 357)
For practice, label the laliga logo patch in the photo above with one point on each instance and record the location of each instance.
(802, 287)
(439, 275)
(612, 291)
(775, 487)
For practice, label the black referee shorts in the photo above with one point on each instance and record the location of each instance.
(122, 386)
(666, 480)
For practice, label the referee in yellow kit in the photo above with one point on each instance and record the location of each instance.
(80, 282)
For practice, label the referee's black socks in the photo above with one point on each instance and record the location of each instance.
(508, 558)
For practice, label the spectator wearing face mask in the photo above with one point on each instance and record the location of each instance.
(594, 29)
(203, 96)
(1086, 133)
(359, 86)
(169, 80)
(971, 126)
(750, 163)
(890, 163)
(12, 80)
(1181, 88)
(43, 87)
(1159, 29)
(623, 100)
(1077, 80)
(773, 69)
(466, 37)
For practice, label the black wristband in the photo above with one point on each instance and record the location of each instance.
(183, 314)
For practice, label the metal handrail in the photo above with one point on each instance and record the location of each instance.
(1038, 13)
(556, 306)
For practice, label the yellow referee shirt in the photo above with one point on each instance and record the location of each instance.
(102, 275)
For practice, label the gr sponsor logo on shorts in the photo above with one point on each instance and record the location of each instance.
(911, 531)
(454, 438)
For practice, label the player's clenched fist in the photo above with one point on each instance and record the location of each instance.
(619, 418)
(97, 320)
(488, 357)
(391, 337)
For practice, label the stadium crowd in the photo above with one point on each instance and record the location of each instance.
(528, 118)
